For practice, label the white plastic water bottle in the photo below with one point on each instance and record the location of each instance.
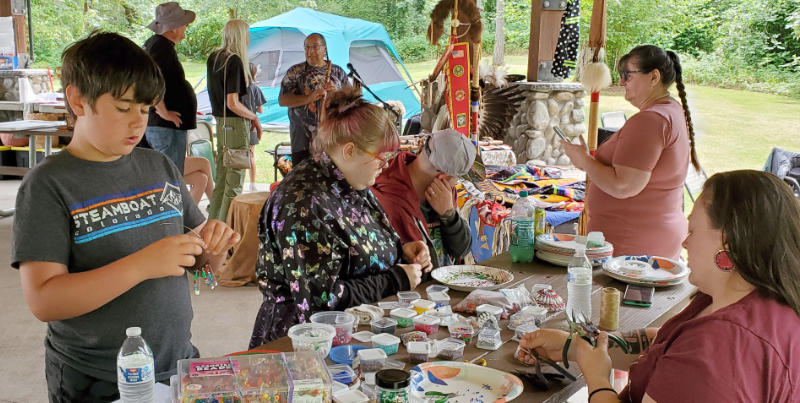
(522, 229)
(579, 285)
(135, 369)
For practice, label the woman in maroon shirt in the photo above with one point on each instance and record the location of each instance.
(739, 338)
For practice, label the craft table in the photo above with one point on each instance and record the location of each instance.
(666, 302)
(242, 217)
(48, 149)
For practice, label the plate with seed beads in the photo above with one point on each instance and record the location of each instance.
(468, 277)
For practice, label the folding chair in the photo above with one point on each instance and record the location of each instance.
(282, 149)
(785, 165)
(202, 132)
(613, 120)
(200, 143)
(610, 123)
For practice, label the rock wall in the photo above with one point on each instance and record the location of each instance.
(531, 133)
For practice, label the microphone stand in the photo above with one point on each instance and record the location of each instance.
(354, 74)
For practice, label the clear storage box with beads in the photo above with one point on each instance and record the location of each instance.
(281, 377)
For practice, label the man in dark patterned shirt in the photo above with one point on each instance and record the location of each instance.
(302, 90)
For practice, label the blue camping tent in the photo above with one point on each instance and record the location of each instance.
(277, 44)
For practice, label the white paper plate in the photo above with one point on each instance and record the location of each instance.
(566, 243)
(470, 277)
(563, 260)
(653, 271)
(463, 382)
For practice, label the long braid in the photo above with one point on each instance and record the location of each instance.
(682, 94)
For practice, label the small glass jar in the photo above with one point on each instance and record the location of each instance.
(392, 386)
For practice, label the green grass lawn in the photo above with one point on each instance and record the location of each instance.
(735, 129)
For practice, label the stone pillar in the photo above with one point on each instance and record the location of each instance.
(531, 133)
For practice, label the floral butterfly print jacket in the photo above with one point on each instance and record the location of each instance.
(323, 246)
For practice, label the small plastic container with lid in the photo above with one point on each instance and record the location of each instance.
(520, 318)
(414, 335)
(386, 342)
(371, 359)
(393, 364)
(351, 396)
(451, 349)
(462, 329)
(342, 321)
(427, 323)
(423, 305)
(491, 309)
(440, 299)
(383, 325)
(436, 288)
(392, 386)
(524, 329)
(418, 351)
(404, 298)
(342, 373)
(403, 316)
(489, 339)
(539, 313)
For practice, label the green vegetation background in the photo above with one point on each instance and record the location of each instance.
(726, 46)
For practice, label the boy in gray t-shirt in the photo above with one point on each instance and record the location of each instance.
(102, 233)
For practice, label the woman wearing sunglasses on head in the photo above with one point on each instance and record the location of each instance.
(325, 242)
(636, 189)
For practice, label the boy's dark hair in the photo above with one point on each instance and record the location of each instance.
(106, 62)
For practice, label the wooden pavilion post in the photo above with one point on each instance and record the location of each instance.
(17, 14)
(545, 26)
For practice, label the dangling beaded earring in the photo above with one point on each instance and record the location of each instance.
(723, 261)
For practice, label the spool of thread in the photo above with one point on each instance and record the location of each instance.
(609, 309)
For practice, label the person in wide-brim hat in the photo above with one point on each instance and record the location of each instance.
(169, 16)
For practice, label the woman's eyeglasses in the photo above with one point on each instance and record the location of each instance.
(384, 157)
(624, 75)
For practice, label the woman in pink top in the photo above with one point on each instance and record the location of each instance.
(739, 338)
(635, 196)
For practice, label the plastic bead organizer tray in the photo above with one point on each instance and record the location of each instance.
(280, 377)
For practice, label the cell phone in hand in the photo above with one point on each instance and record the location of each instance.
(638, 295)
(561, 134)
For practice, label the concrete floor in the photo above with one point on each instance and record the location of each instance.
(223, 320)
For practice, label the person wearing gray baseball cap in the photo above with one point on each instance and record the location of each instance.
(417, 193)
(176, 114)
